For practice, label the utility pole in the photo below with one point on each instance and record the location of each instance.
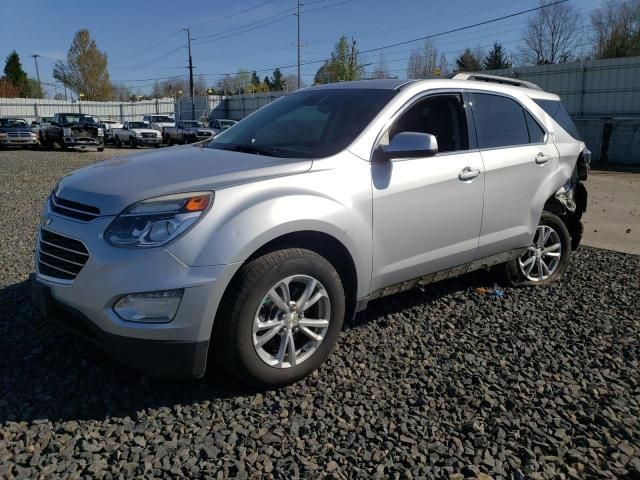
(193, 105)
(35, 58)
(298, 15)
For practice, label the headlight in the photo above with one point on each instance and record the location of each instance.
(157, 221)
(3, 135)
(100, 132)
(66, 132)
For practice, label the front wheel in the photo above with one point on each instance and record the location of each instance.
(547, 258)
(284, 317)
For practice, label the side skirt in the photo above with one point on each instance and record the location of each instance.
(486, 262)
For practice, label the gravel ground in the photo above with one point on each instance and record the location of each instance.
(450, 381)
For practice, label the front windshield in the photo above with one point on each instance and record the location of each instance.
(192, 124)
(227, 123)
(70, 118)
(307, 124)
(138, 125)
(13, 123)
(161, 118)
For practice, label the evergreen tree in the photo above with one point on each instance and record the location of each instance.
(496, 59)
(468, 61)
(14, 74)
(267, 83)
(344, 64)
(255, 80)
(278, 84)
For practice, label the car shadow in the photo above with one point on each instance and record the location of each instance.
(47, 373)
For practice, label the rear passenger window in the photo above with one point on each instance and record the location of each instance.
(555, 110)
(536, 132)
(500, 121)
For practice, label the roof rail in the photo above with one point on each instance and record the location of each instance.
(481, 77)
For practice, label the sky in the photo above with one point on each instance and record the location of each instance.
(144, 39)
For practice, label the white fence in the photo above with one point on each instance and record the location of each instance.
(30, 108)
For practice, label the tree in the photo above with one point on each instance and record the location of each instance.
(85, 70)
(267, 83)
(255, 80)
(381, 70)
(551, 35)
(59, 96)
(277, 80)
(290, 82)
(423, 61)
(468, 61)
(14, 74)
(34, 89)
(8, 89)
(344, 64)
(496, 58)
(443, 65)
(617, 29)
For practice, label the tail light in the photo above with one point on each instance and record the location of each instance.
(584, 164)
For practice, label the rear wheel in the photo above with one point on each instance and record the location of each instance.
(284, 317)
(547, 258)
(118, 142)
(132, 142)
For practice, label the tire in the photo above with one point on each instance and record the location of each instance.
(169, 141)
(526, 270)
(118, 142)
(249, 299)
(101, 149)
(132, 142)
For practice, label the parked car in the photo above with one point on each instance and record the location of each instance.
(136, 134)
(219, 125)
(187, 131)
(256, 247)
(159, 122)
(16, 132)
(72, 130)
(108, 127)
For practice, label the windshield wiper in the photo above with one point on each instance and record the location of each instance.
(268, 152)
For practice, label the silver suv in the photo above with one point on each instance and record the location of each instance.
(254, 248)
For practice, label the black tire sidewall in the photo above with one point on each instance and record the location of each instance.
(516, 276)
(248, 365)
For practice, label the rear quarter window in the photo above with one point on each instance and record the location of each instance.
(555, 110)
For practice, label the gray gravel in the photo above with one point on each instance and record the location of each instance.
(443, 382)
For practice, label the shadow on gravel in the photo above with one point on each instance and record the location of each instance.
(47, 373)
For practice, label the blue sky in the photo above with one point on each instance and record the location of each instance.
(263, 37)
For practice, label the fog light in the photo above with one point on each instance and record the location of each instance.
(151, 307)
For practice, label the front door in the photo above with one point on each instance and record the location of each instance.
(427, 212)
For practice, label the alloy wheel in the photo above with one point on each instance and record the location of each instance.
(542, 258)
(291, 321)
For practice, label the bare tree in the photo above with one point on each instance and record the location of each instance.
(616, 27)
(423, 61)
(551, 35)
(443, 65)
(381, 70)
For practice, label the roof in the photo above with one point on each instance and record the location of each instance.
(385, 84)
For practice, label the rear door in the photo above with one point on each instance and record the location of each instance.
(427, 211)
(519, 158)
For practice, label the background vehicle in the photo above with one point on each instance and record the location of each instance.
(187, 131)
(159, 122)
(108, 126)
(16, 132)
(256, 247)
(72, 130)
(219, 125)
(135, 134)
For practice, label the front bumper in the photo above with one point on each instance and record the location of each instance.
(83, 142)
(148, 141)
(18, 142)
(165, 358)
(174, 349)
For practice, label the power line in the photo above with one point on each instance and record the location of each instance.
(406, 42)
(240, 12)
(149, 48)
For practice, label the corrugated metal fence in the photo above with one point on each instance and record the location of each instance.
(236, 107)
(35, 107)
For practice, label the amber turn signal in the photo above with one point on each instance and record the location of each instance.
(197, 204)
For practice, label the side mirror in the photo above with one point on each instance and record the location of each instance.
(409, 145)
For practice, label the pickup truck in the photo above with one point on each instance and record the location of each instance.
(72, 130)
(16, 132)
(159, 122)
(136, 133)
(187, 131)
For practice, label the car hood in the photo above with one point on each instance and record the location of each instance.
(16, 129)
(115, 184)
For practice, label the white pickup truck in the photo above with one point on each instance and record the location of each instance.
(135, 134)
(159, 122)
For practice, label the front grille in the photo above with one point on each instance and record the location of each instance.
(18, 135)
(202, 133)
(71, 209)
(59, 256)
(148, 135)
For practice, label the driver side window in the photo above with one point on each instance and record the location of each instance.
(442, 116)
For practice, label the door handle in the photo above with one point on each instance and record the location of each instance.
(468, 173)
(541, 158)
